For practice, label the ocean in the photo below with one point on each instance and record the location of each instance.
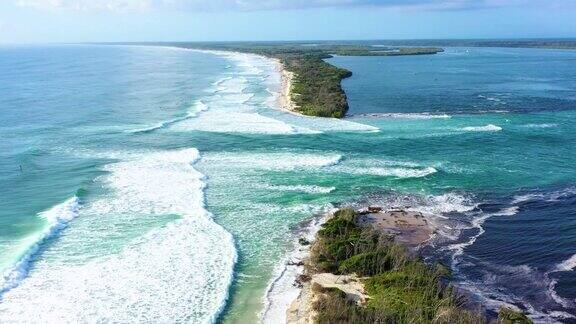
(159, 184)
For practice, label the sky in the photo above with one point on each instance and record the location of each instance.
(49, 21)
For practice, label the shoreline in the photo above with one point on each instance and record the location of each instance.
(410, 229)
(281, 292)
(288, 299)
(284, 99)
(283, 96)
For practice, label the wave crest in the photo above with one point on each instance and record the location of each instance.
(57, 218)
(487, 128)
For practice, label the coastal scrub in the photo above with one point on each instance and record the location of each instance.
(401, 288)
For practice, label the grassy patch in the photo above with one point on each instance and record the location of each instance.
(402, 288)
(510, 316)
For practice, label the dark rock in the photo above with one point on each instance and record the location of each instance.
(374, 209)
(298, 264)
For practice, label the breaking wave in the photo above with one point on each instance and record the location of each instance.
(57, 218)
(487, 128)
(391, 172)
(178, 272)
(198, 107)
(406, 115)
(309, 189)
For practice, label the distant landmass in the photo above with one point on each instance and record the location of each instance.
(315, 85)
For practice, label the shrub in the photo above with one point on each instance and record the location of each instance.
(367, 264)
(510, 316)
(402, 288)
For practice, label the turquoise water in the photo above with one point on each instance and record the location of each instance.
(160, 184)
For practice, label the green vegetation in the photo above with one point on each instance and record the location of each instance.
(547, 43)
(509, 316)
(400, 286)
(316, 85)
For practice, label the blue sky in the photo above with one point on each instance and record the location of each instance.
(32, 21)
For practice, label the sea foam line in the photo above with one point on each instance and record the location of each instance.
(57, 218)
(281, 292)
(406, 115)
(478, 223)
(309, 189)
(390, 172)
(199, 106)
(566, 265)
(487, 128)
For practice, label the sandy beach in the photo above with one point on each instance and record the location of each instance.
(284, 99)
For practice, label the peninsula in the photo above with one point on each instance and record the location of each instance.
(315, 86)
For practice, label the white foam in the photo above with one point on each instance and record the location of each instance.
(487, 128)
(198, 107)
(527, 197)
(509, 211)
(557, 298)
(458, 248)
(230, 111)
(549, 196)
(281, 291)
(301, 188)
(491, 296)
(302, 209)
(275, 161)
(567, 265)
(448, 203)
(218, 82)
(323, 124)
(477, 223)
(180, 272)
(250, 64)
(561, 315)
(230, 115)
(233, 85)
(408, 115)
(545, 125)
(390, 172)
(57, 218)
(154, 127)
(234, 122)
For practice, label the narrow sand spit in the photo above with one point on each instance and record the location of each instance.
(284, 100)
